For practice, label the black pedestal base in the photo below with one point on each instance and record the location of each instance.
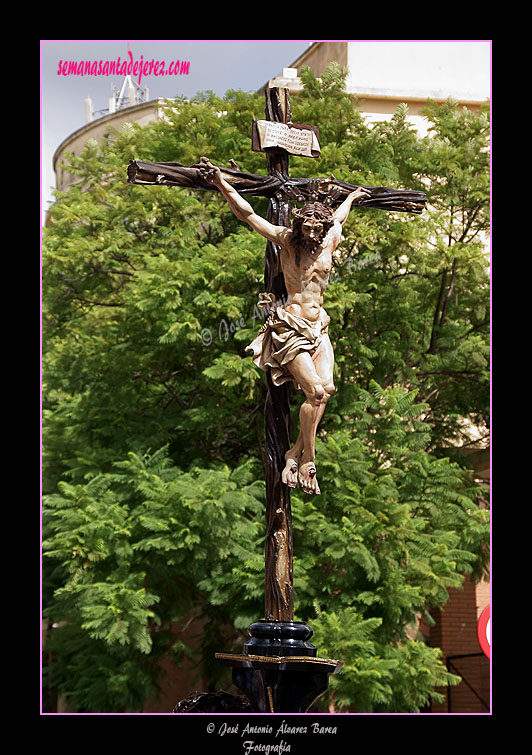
(278, 671)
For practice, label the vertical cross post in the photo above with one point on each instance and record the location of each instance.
(278, 551)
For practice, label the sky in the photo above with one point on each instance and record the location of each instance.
(219, 65)
(216, 65)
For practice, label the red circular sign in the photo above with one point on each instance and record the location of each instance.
(484, 631)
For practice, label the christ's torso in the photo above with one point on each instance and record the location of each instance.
(306, 282)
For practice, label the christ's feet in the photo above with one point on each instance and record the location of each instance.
(289, 474)
(308, 479)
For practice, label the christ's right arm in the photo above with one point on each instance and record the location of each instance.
(341, 213)
(278, 234)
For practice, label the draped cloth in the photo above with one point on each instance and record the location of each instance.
(282, 337)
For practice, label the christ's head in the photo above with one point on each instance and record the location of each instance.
(310, 225)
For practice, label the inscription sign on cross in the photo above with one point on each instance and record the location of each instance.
(294, 138)
(293, 346)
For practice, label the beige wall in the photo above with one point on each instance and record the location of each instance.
(100, 129)
(320, 54)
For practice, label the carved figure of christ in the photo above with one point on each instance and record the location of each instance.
(294, 341)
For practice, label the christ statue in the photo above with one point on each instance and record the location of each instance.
(294, 342)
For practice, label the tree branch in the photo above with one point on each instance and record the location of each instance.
(432, 345)
(449, 293)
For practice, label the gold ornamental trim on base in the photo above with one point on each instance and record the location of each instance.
(280, 659)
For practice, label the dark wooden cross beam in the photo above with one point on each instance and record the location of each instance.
(280, 188)
(253, 184)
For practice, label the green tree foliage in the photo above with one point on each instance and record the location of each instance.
(153, 413)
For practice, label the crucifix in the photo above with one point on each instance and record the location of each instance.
(293, 346)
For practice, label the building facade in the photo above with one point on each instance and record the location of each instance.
(416, 71)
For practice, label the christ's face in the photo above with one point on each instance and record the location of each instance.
(312, 229)
(310, 226)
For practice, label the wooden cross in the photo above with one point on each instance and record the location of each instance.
(279, 187)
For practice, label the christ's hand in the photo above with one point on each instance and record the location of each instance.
(209, 172)
(359, 194)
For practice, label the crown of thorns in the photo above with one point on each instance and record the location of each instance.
(316, 210)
